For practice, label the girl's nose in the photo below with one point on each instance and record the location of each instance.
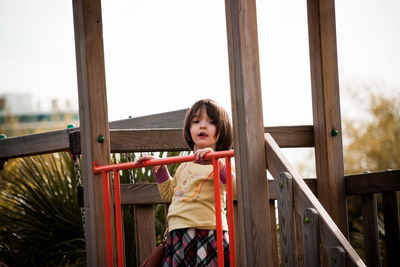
(203, 124)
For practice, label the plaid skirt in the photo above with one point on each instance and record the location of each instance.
(193, 248)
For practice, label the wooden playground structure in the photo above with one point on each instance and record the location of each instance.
(313, 226)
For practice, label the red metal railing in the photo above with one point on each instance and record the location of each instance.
(115, 168)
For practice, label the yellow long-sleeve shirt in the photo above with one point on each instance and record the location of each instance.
(191, 192)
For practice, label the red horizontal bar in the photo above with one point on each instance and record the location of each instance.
(162, 161)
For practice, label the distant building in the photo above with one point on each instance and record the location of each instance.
(19, 116)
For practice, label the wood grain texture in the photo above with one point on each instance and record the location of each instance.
(274, 228)
(94, 122)
(336, 257)
(369, 214)
(292, 136)
(326, 109)
(147, 193)
(311, 239)
(330, 234)
(61, 140)
(286, 219)
(146, 233)
(244, 71)
(374, 182)
(172, 119)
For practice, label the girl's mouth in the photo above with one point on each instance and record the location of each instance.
(203, 135)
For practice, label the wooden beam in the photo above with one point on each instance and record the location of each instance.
(147, 193)
(374, 182)
(34, 144)
(326, 109)
(172, 119)
(369, 213)
(135, 139)
(253, 206)
(93, 121)
(56, 141)
(292, 136)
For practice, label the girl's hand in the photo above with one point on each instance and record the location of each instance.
(200, 154)
(143, 159)
(159, 171)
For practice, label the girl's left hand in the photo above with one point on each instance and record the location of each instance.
(200, 153)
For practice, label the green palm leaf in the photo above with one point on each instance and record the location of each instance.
(41, 223)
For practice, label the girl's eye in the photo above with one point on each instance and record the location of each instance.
(212, 122)
(195, 121)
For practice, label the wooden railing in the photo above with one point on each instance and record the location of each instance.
(368, 186)
(305, 226)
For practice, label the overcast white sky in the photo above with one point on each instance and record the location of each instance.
(164, 55)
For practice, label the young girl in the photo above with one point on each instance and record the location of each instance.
(192, 237)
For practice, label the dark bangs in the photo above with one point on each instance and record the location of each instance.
(220, 117)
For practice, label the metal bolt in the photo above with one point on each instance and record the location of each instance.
(101, 139)
(334, 132)
(306, 220)
(280, 184)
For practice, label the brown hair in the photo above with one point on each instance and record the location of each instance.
(220, 117)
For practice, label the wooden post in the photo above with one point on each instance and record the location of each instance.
(146, 236)
(326, 110)
(337, 257)
(391, 219)
(95, 145)
(369, 212)
(253, 201)
(311, 239)
(286, 220)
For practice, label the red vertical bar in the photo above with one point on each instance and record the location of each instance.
(218, 216)
(118, 219)
(231, 219)
(107, 219)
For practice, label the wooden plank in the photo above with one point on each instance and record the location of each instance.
(299, 237)
(147, 193)
(34, 144)
(135, 139)
(145, 231)
(311, 239)
(390, 209)
(286, 219)
(337, 257)
(94, 122)
(371, 235)
(143, 140)
(56, 141)
(331, 235)
(244, 70)
(172, 119)
(132, 194)
(326, 109)
(272, 214)
(374, 182)
(292, 136)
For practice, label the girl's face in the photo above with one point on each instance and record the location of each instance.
(203, 131)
